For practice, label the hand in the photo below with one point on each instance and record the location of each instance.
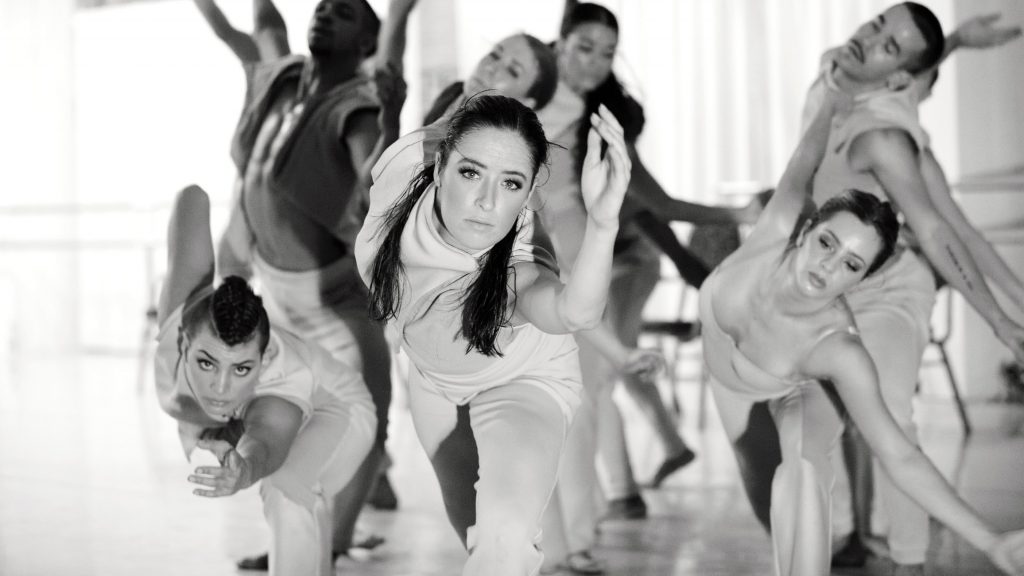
(218, 446)
(981, 32)
(225, 480)
(644, 364)
(1012, 335)
(1008, 552)
(605, 180)
(391, 91)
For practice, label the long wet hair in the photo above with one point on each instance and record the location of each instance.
(869, 210)
(233, 313)
(485, 306)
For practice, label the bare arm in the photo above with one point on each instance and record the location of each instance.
(234, 251)
(392, 36)
(362, 131)
(991, 264)
(842, 359)
(271, 425)
(579, 303)
(979, 32)
(786, 204)
(270, 34)
(189, 251)
(240, 43)
(891, 156)
(646, 191)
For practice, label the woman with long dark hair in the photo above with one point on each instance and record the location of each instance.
(486, 323)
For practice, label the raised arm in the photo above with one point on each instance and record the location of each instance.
(979, 32)
(270, 33)
(786, 204)
(271, 425)
(991, 264)
(240, 43)
(189, 251)
(579, 303)
(842, 359)
(892, 157)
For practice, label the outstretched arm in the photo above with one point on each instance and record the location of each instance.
(271, 425)
(189, 251)
(579, 303)
(990, 263)
(270, 34)
(240, 43)
(842, 359)
(648, 192)
(979, 32)
(787, 203)
(891, 156)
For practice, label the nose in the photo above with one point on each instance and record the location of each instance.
(485, 196)
(830, 262)
(222, 383)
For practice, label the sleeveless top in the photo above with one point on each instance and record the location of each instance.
(730, 366)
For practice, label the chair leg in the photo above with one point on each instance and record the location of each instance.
(956, 390)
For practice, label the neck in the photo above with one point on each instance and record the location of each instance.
(322, 73)
(853, 86)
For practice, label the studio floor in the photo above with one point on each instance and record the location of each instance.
(92, 482)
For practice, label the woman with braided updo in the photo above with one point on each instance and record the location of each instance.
(272, 408)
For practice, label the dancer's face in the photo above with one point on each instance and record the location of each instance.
(835, 255)
(338, 26)
(585, 56)
(883, 46)
(510, 68)
(222, 377)
(483, 187)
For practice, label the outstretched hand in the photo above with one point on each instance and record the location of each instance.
(1008, 552)
(224, 480)
(644, 364)
(391, 91)
(605, 180)
(982, 32)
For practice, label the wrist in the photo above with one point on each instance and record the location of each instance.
(604, 227)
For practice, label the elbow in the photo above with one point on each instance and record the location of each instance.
(578, 322)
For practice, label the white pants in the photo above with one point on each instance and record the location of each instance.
(497, 460)
(325, 455)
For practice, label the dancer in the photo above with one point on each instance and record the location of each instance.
(909, 531)
(486, 323)
(588, 40)
(302, 148)
(272, 408)
(877, 147)
(777, 323)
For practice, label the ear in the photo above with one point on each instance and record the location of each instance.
(437, 168)
(803, 232)
(898, 80)
(529, 102)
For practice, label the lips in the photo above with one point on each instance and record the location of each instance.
(479, 224)
(816, 280)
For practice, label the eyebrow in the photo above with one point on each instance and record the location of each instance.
(484, 166)
(835, 239)
(210, 358)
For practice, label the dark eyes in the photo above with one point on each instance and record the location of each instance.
(469, 173)
(242, 370)
(205, 364)
(513, 185)
(853, 267)
(508, 184)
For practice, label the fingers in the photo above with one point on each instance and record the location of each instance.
(989, 18)
(221, 481)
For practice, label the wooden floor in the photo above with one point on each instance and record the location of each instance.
(92, 482)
